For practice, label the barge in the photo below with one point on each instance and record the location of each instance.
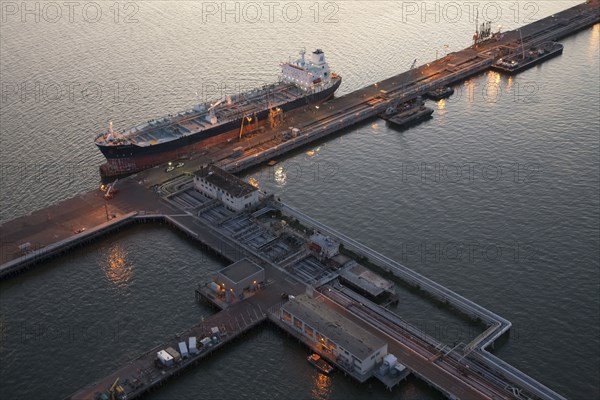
(524, 60)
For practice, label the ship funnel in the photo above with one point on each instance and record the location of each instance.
(318, 57)
(110, 128)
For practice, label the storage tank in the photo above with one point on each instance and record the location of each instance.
(390, 360)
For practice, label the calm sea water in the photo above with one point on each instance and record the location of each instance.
(495, 197)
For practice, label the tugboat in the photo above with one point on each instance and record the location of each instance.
(320, 364)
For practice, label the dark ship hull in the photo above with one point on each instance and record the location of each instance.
(128, 159)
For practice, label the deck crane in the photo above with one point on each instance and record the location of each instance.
(116, 391)
(211, 117)
(111, 190)
(414, 64)
(216, 104)
(247, 120)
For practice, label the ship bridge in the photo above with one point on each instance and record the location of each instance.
(310, 75)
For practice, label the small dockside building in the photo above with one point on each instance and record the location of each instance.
(217, 183)
(349, 344)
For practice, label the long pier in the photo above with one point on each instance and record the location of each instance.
(141, 374)
(456, 67)
(44, 228)
(497, 325)
(152, 195)
(245, 235)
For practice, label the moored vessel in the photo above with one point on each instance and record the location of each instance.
(527, 59)
(320, 364)
(406, 114)
(305, 81)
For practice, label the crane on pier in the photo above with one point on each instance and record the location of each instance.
(275, 117)
(111, 190)
(116, 391)
(250, 119)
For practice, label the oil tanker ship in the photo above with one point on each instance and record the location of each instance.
(303, 82)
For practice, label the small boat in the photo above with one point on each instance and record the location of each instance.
(272, 163)
(320, 364)
(440, 93)
(407, 116)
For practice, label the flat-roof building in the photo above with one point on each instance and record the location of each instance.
(366, 280)
(240, 275)
(216, 183)
(334, 333)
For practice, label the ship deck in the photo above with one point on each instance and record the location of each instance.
(245, 104)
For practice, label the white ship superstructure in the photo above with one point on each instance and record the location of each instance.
(312, 75)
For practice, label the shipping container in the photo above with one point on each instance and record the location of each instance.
(192, 345)
(174, 353)
(165, 358)
(183, 349)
